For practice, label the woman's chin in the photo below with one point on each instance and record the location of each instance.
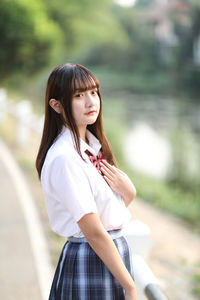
(91, 121)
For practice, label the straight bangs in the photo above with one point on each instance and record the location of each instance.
(83, 80)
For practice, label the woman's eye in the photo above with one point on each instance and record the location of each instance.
(94, 92)
(77, 95)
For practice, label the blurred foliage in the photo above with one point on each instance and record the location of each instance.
(84, 22)
(145, 55)
(187, 29)
(114, 129)
(184, 171)
(29, 39)
(41, 33)
(120, 45)
(138, 52)
(116, 83)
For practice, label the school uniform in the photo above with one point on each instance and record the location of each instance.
(72, 188)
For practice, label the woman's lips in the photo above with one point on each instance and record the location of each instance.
(91, 112)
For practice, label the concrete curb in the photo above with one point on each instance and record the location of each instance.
(34, 227)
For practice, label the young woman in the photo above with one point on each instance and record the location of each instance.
(85, 193)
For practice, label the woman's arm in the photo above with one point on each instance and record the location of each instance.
(104, 247)
(119, 182)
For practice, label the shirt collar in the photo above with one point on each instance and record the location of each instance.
(94, 144)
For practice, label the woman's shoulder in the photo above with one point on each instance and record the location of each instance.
(57, 159)
(61, 150)
(60, 153)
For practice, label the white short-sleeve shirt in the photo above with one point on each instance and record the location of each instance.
(73, 187)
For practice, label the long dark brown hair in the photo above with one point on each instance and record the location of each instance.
(62, 84)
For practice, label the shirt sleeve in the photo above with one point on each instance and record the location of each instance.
(71, 187)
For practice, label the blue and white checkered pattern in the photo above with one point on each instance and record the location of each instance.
(81, 274)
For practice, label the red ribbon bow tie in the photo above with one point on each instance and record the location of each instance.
(95, 160)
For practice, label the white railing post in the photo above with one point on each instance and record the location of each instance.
(23, 113)
(3, 104)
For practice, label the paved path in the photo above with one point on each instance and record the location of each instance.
(20, 274)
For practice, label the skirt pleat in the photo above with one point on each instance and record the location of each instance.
(81, 274)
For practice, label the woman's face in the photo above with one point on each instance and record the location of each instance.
(85, 107)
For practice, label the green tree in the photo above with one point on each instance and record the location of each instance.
(187, 30)
(85, 23)
(28, 38)
(134, 48)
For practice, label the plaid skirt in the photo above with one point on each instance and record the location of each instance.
(81, 274)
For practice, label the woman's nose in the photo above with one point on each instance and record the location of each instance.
(89, 99)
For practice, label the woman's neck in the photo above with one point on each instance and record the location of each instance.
(82, 133)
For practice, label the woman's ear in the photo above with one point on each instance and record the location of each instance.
(56, 105)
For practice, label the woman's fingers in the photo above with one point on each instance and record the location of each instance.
(106, 171)
(108, 180)
(118, 181)
(113, 168)
(105, 167)
(108, 166)
(112, 172)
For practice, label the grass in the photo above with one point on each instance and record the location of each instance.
(196, 279)
(168, 198)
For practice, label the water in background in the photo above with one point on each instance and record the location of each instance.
(152, 122)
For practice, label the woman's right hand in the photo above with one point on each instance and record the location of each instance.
(131, 295)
